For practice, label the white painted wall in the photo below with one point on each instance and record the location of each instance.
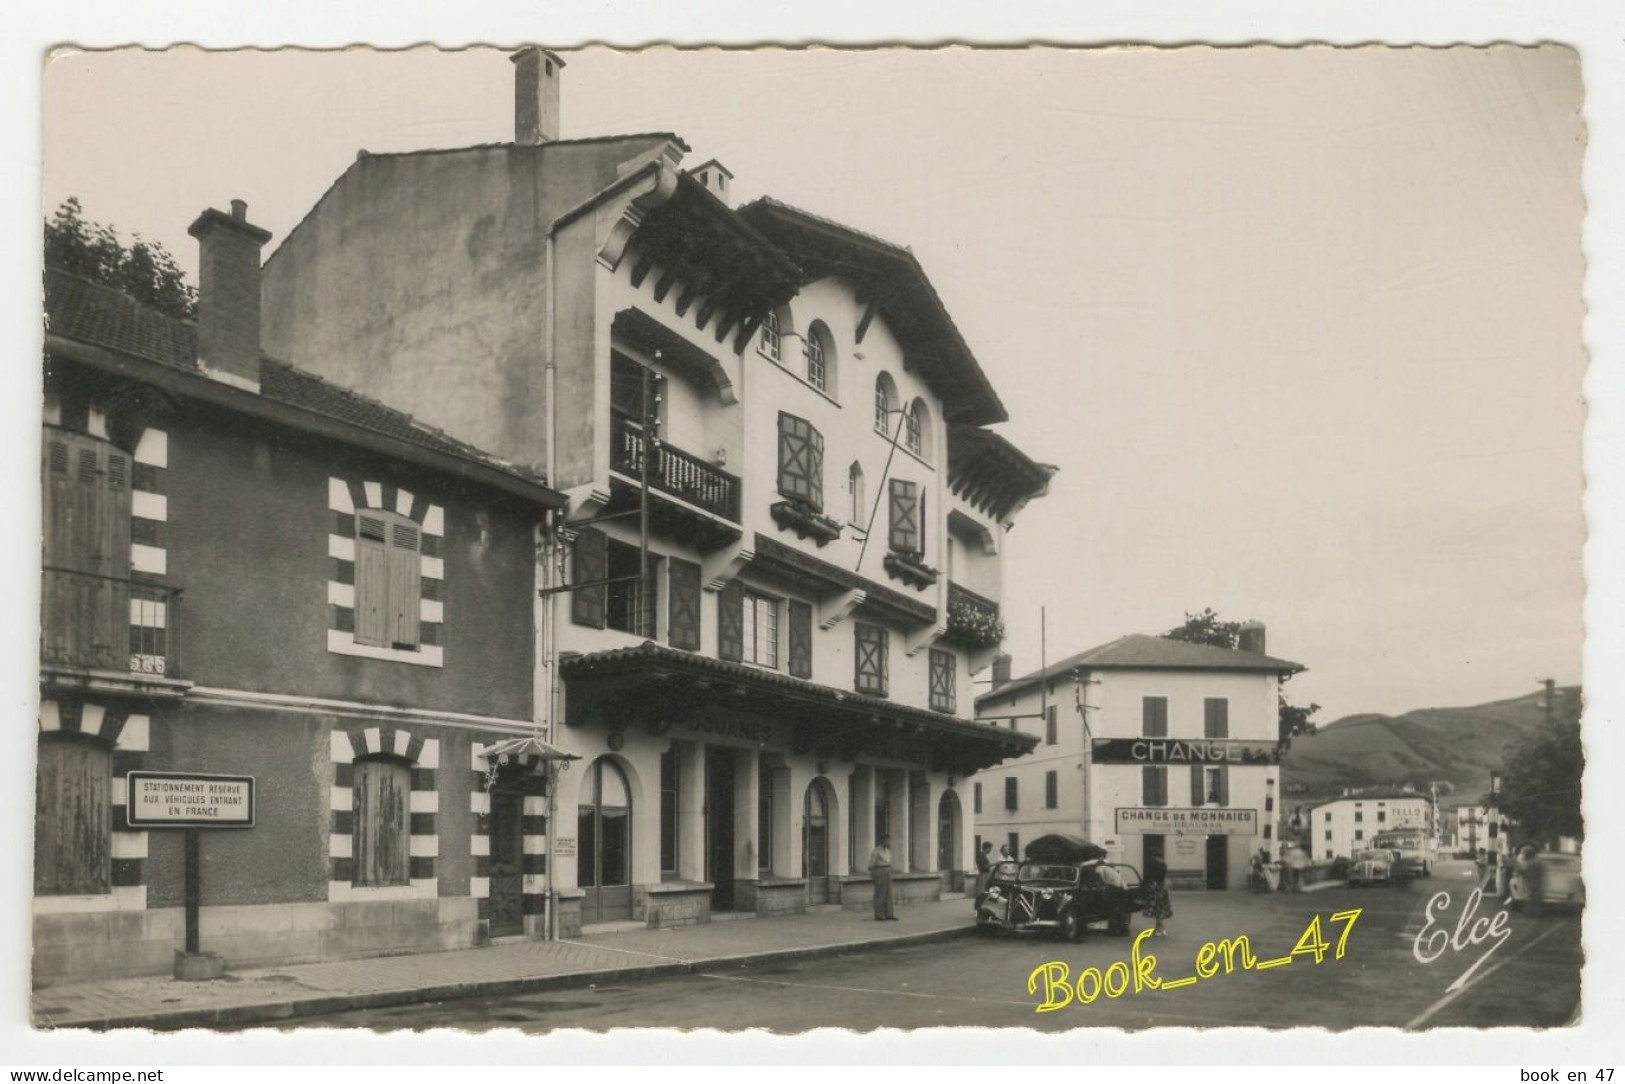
(1345, 825)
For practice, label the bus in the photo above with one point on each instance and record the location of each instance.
(1414, 847)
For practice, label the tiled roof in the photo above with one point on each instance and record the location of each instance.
(1140, 652)
(89, 312)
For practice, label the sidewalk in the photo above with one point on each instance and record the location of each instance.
(268, 995)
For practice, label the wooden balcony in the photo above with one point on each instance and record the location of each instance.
(706, 503)
(973, 620)
(93, 624)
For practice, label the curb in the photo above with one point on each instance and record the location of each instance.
(271, 1012)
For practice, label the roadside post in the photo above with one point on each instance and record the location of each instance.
(191, 802)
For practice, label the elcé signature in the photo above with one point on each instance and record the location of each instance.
(1432, 941)
(1138, 972)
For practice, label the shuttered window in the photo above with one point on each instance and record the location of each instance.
(731, 622)
(1052, 790)
(760, 630)
(944, 677)
(1051, 724)
(388, 574)
(801, 461)
(382, 805)
(800, 637)
(85, 603)
(1153, 785)
(1154, 716)
(683, 589)
(907, 512)
(589, 559)
(1198, 784)
(1012, 792)
(73, 825)
(976, 799)
(1215, 717)
(870, 642)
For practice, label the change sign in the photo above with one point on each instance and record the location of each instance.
(190, 800)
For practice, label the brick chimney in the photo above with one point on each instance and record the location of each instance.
(1250, 637)
(535, 96)
(228, 302)
(1001, 671)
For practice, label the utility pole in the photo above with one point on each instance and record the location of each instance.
(1550, 702)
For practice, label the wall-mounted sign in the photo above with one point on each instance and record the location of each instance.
(746, 729)
(189, 800)
(564, 847)
(1141, 820)
(1184, 751)
(1186, 854)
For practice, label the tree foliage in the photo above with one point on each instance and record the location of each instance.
(143, 269)
(1540, 782)
(1207, 627)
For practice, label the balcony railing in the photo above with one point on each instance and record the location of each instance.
(972, 619)
(94, 622)
(673, 471)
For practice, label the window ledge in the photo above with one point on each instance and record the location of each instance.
(340, 642)
(778, 363)
(909, 569)
(794, 516)
(901, 447)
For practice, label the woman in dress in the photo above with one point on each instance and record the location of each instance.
(1157, 903)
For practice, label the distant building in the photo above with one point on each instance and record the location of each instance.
(1348, 823)
(1180, 743)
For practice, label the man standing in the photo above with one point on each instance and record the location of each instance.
(984, 868)
(880, 871)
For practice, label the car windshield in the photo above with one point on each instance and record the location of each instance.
(1048, 873)
(1371, 856)
(1129, 875)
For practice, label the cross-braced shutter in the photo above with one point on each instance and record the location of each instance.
(800, 619)
(731, 622)
(871, 658)
(801, 460)
(683, 627)
(1196, 785)
(371, 579)
(590, 558)
(942, 680)
(405, 587)
(905, 517)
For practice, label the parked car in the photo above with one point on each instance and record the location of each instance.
(1373, 867)
(1065, 886)
(1415, 853)
(1561, 884)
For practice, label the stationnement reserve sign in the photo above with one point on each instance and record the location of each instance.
(190, 800)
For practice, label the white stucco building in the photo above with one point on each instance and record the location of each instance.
(1150, 747)
(1348, 822)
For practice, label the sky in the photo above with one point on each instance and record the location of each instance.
(1300, 327)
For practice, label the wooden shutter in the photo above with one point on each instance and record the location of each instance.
(1216, 717)
(1197, 790)
(905, 517)
(942, 679)
(1154, 716)
(73, 826)
(1012, 795)
(683, 591)
(801, 460)
(815, 467)
(1052, 790)
(1224, 784)
(405, 588)
(731, 622)
(1051, 724)
(590, 560)
(801, 634)
(86, 551)
(381, 802)
(870, 644)
(1148, 786)
(371, 579)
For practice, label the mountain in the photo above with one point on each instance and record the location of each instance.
(1458, 746)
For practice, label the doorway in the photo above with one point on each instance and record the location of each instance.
(719, 827)
(507, 865)
(1218, 864)
(604, 844)
(815, 842)
(1155, 851)
(948, 841)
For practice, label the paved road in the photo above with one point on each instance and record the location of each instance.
(1532, 978)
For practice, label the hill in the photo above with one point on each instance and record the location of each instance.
(1458, 746)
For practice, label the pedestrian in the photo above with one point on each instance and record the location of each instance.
(1530, 881)
(1157, 904)
(1259, 884)
(1481, 864)
(1007, 853)
(984, 868)
(1492, 872)
(1296, 862)
(880, 872)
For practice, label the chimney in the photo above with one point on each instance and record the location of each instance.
(1250, 637)
(714, 176)
(535, 96)
(1001, 671)
(228, 303)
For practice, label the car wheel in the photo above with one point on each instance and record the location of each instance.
(1071, 928)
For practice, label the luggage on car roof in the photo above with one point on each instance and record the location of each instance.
(1063, 848)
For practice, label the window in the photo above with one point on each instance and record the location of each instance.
(1153, 785)
(871, 667)
(1014, 839)
(1010, 792)
(1051, 725)
(683, 605)
(801, 461)
(1328, 818)
(859, 513)
(820, 355)
(761, 630)
(1269, 803)
(917, 430)
(1267, 828)
(769, 343)
(630, 604)
(1358, 816)
(943, 679)
(1052, 790)
(885, 404)
(800, 636)
(907, 518)
(381, 801)
(1359, 833)
(911, 432)
(73, 817)
(764, 815)
(1213, 786)
(388, 588)
(668, 811)
(1328, 840)
(1154, 716)
(1215, 717)
(976, 798)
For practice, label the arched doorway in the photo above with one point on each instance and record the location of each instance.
(948, 842)
(604, 844)
(816, 816)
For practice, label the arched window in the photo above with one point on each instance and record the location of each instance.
(769, 343)
(382, 801)
(820, 354)
(73, 817)
(885, 404)
(918, 433)
(855, 491)
(604, 842)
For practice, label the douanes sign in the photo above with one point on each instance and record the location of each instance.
(1184, 751)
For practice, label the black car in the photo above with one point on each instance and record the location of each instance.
(1064, 886)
